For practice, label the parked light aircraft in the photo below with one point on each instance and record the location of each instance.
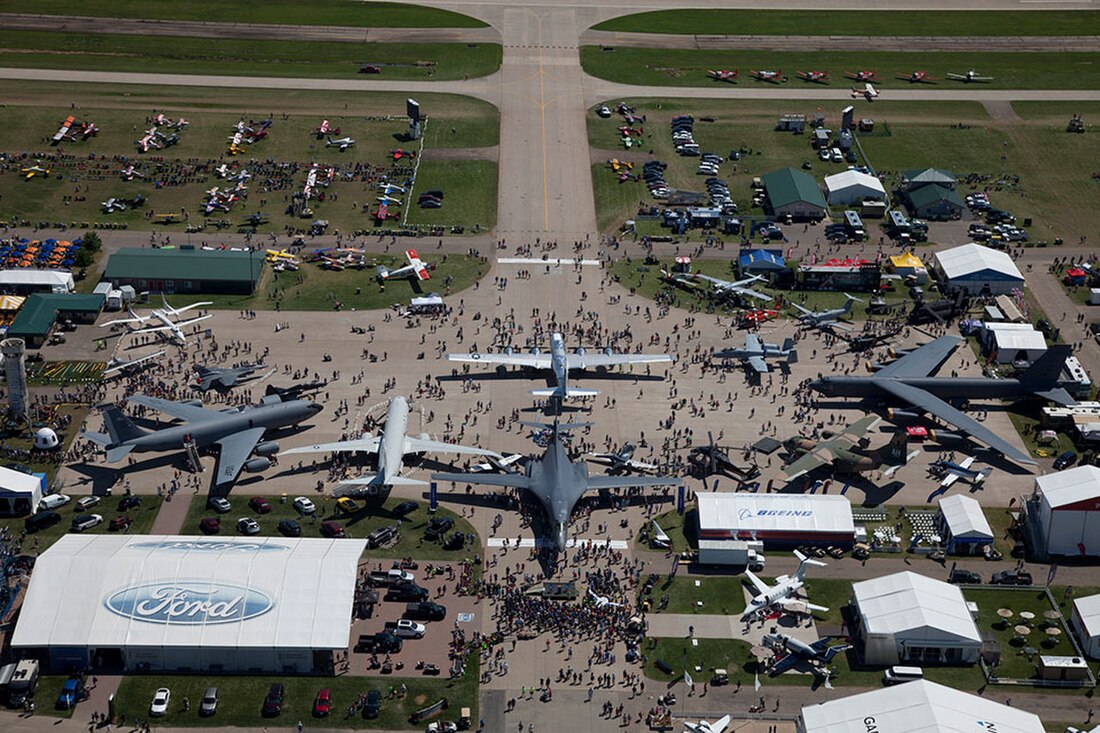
(969, 76)
(342, 143)
(728, 288)
(817, 655)
(952, 472)
(416, 268)
(785, 587)
(560, 362)
(704, 726)
(622, 462)
(868, 92)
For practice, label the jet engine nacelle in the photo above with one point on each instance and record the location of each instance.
(193, 403)
(946, 436)
(271, 399)
(580, 351)
(536, 350)
(608, 351)
(255, 465)
(903, 415)
(509, 351)
(266, 448)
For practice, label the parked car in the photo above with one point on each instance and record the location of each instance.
(159, 705)
(381, 536)
(219, 504)
(86, 502)
(210, 525)
(273, 701)
(331, 529)
(129, 502)
(959, 575)
(408, 592)
(346, 505)
(304, 506)
(437, 527)
(373, 704)
(408, 629)
(247, 525)
(71, 693)
(53, 501)
(259, 505)
(41, 520)
(1065, 460)
(426, 611)
(1011, 577)
(322, 704)
(381, 642)
(289, 528)
(405, 507)
(209, 703)
(82, 522)
(120, 523)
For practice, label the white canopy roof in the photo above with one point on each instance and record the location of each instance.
(847, 179)
(902, 601)
(17, 482)
(27, 276)
(969, 259)
(1088, 608)
(1024, 339)
(917, 707)
(965, 518)
(158, 591)
(788, 512)
(1062, 488)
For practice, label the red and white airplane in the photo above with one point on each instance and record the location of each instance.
(129, 173)
(148, 141)
(917, 77)
(415, 267)
(723, 75)
(817, 77)
(868, 92)
(775, 77)
(864, 75)
(325, 129)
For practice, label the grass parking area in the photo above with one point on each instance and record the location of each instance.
(37, 542)
(374, 512)
(687, 67)
(281, 12)
(246, 57)
(242, 697)
(311, 288)
(704, 594)
(858, 22)
(176, 179)
(1030, 167)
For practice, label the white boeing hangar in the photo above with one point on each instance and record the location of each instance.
(190, 604)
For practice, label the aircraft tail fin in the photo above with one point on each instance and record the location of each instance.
(101, 439)
(896, 452)
(803, 561)
(119, 427)
(1043, 375)
(834, 650)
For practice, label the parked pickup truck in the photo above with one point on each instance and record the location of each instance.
(406, 628)
(1011, 577)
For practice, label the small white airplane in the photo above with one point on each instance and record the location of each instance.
(121, 366)
(388, 188)
(416, 267)
(785, 587)
(952, 472)
(165, 316)
(703, 726)
(387, 199)
(732, 287)
(391, 446)
(623, 461)
(969, 76)
(602, 601)
(868, 92)
(560, 363)
(343, 143)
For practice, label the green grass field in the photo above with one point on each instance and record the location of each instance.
(282, 12)
(242, 697)
(687, 67)
(312, 288)
(374, 120)
(243, 57)
(1054, 168)
(38, 542)
(700, 594)
(858, 23)
(373, 514)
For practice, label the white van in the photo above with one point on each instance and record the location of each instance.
(53, 501)
(896, 675)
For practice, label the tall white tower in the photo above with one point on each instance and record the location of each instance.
(15, 372)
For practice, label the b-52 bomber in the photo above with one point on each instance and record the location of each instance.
(845, 451)
(236, 431)
(556, 481)
(907, 380)
(560, 362)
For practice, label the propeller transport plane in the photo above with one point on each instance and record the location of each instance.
(949, 472)
(755, 353)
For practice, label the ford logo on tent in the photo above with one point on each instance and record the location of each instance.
(188, 602)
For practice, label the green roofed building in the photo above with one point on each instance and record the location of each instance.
(794, 193)
(934, 202)
(41, 312)
(185, 270)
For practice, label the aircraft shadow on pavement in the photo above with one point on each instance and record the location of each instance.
(105, 477)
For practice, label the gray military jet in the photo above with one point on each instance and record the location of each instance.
(225, 378)
(826, 319)
(907, 380)
(755, 353)
(556, 481)
(237, 432)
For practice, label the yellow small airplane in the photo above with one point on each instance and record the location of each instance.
(34, 170)
(276, 254)
(168, 218)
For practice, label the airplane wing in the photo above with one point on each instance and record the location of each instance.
(967, 462)
(532, 361)
(859, 428)
(784, 664)
(132, 363)
(510, 480)
(758, 364)
(761, 586)
(181, 324)
(589, 361)
(804, 464)
(121, 321)
(235, 450)
(626, 482)
(924, 360)
(752, 293)
(802, 309)
(421, 445)
(368, 444)
(189, 413)
(176, 311)
(752, 342)
(815, 607)
(937, 407)
(949, 479)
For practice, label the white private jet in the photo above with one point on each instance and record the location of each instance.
(785, 587)
(704, 726)
(166, 316)
(392, 445)
(416, 267)
(952, 472)
(560, 363)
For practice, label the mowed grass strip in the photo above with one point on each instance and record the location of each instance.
(859, 23)
(688, 67)
(279, 12)
(240, 57)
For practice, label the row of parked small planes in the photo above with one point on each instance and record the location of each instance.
(155, 138)
(817, 76)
